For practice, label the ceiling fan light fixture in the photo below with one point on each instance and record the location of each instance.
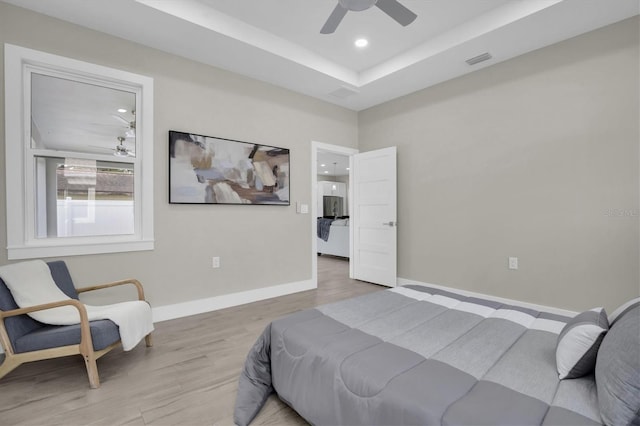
(357, 5)
(121, 151)
(361, 43)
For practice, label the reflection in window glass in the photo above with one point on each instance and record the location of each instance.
(65, 114)
(81, 197)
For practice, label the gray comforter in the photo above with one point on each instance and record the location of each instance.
(416, 355)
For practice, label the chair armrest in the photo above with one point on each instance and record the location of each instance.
(86, 342)
(71, 302)
(136, 283)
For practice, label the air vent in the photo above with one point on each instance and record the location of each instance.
(480, 58)
(343, 92)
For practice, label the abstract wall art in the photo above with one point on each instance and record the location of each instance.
(212, 170)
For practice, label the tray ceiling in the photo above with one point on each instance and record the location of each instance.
(279, 41)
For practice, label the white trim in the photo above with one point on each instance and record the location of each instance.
(336, 149)
(22, 242)
(543, 308)
(194, 307)
(31, 252)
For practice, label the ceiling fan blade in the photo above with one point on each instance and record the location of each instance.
(119, 118)
(398, 12)
(334, 20)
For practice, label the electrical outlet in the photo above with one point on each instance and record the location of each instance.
(513, 263)
(215, 262)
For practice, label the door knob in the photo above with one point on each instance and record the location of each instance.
(390, 223)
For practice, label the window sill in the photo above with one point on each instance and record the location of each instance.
(81, 248)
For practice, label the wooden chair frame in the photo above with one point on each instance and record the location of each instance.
(12, 360)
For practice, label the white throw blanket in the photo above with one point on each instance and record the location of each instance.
(31, 284)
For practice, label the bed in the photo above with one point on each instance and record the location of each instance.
(337, 237)
(421, 355)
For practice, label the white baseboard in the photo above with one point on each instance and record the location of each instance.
(194, 307)
(551, 309)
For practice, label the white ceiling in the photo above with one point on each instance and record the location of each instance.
(330, 164)
(278, 41)
(300, 21)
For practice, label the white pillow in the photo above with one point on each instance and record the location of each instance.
(578, 343)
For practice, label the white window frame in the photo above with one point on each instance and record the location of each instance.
(19, 63)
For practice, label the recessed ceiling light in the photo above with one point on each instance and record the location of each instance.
(361, 42)
(122, 110)
(322, 165)
(326, 171)
(347, 168)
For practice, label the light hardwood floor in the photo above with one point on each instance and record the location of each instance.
(189, 377)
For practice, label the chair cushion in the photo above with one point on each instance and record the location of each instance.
(60, 274)
(103, 334)
(21, 325)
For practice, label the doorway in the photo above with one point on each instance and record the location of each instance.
(329, 164)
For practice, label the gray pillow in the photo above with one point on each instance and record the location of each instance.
(578, 343)
(623, 309)
(618, 371)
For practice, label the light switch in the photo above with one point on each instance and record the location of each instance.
(302, 208)
(513, 263)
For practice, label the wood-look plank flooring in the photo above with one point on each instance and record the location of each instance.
(189, 376)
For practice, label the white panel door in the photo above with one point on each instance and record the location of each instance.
(374, 216)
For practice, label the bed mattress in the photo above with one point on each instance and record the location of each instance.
(416, 355)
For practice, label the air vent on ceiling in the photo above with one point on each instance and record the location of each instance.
(480, 58)
(343, 92)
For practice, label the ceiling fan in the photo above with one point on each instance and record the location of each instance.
(121, 150)
(393, 8)
(131, 125)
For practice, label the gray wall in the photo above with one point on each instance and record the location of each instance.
(536, 157)
(259, 246)
(525, 158)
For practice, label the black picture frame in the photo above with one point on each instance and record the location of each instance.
(213, 170)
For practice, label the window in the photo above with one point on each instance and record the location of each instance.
(78, 197)
(79, 153)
